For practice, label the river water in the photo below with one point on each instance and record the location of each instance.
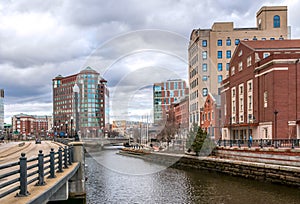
(114, 178)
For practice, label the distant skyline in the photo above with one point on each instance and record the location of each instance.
(131, 43)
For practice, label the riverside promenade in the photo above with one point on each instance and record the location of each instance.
(41, 172)
(268, 164)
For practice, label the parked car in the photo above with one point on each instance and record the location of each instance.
(38, 141)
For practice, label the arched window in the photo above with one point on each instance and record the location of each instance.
(276, 21)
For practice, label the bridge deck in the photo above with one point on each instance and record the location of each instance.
(41, 194)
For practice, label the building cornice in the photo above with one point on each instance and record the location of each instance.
(275, 62)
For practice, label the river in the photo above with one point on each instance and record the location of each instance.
(114, 178)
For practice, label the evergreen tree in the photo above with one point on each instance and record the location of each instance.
(191, 136)
(199, 141)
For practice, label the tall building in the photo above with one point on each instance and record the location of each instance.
(1, 109)
(261, 95)
(164, 94)
(210, 51)
(92, 101)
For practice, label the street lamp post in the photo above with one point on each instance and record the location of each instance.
(76, 92)
(275, 128)
(66, 123)
(71, 126)
(61, 127)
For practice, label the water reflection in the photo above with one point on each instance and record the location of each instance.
(173, 185)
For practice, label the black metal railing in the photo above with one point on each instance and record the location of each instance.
(26, 171)
(278, 143)
(64, 141)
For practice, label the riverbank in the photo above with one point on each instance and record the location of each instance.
(275, 173)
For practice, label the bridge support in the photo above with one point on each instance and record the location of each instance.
(61, 194)
(77, 182)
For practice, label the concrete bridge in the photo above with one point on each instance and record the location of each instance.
(54, 173)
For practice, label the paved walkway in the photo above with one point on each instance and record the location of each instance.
(45, 191)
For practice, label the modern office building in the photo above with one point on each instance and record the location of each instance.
(164, 94)
(210, 51)
(261, 95)
(81, 102)
(38, 125)
(1, 109)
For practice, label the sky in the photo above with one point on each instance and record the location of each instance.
(131, 43)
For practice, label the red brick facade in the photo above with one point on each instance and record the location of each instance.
(264, 77)
(31, 125)
(210, 116)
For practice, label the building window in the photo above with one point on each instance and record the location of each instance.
(204, 67)
(276, 21)
(272, 38)
(219, 54)
(227, 66)
(220, 67)
(204, 55)
(204, 92)
(240, 53)
(265, 99)
(263, 38)
(219, 42)
(240, 66)
(204, 78)
(220, 78)
(249, 59)
(204, 43)
(232, 70)
(266, 54)
(237, 41)
(228, 54)
(228, 42)
(254, 38)
(250, 86)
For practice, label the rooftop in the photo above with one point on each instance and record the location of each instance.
(272, 44)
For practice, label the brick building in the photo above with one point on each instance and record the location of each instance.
(261, 95)
(38, 125)
(166, 93)
(210, 51)
(211, 116)
(181, 114)
(1, 109)
(93, 103)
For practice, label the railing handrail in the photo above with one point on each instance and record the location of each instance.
(64, 156)
(276, 143)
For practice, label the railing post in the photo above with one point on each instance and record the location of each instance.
(239, 143)
(59, 160)
(41, 181)
(52, 164)
(23, 176)
(66, 157)
(70, 155)
(261, 143)
(276, 144)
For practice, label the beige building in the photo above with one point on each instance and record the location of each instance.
(210, 51)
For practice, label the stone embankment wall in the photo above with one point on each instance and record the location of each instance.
(276, 173)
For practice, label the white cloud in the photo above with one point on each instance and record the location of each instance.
(41, 39)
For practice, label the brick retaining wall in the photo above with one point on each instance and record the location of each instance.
(289, 175)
